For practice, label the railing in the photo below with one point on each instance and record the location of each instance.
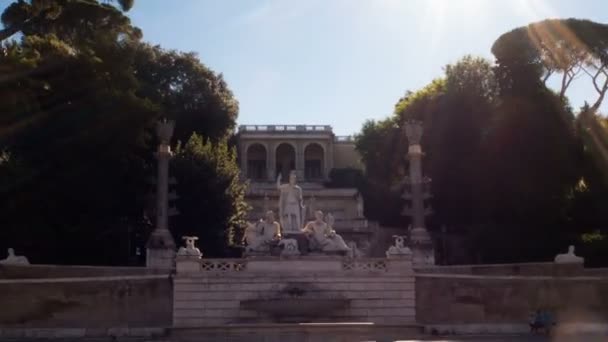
(239, 265)
(365, 265)
(223, 265)
(285, 128)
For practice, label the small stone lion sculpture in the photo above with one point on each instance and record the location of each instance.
(190, 249)
(399, 248)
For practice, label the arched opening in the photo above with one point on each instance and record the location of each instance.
(313, 162)
(256, 162)
(285, 159)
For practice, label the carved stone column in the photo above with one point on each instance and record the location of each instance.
(160, 249)
(244, 148)
(328, 162)
(417, 190)
(300, 160)
(271, 162)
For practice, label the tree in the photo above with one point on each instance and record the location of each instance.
(211, 196)
(559, 185)
(566, 48)
(189, 92)
(455, 111)
(75, 19)
(81, 95)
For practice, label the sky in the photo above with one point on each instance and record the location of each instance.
(340, 62)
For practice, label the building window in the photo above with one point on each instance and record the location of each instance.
(256, 162)
(256, 169)
(285, 160)
(313, 162)
(312, 169)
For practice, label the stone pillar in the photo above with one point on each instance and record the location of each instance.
(300, 160)
(328, 155)
(271, 162)
(416, 192)
(160, 249)
(244, 160)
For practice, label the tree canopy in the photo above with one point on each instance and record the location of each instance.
(505, 153)
(81, 93)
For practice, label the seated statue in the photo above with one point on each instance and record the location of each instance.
(322, 236)
(190, 250)
(259, 236)
(569, 258)
(13, 259)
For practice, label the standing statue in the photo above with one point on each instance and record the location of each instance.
(259, 236)
(291, 205)
(322, 236)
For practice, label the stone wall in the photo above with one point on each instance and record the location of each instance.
(346, 156)
(516, 269)
(69, 271)
(90, 302)
(212, 292)
(465, 299)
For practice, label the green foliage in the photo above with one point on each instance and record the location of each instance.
(594, 246)
(345, 178)
(593, 237)
(420, 104)
(188, 91)
(211, 197)
(80, 96)
(504, 156)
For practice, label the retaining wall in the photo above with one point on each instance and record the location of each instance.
(210, 291)
(70, 271)
(467, 299)
(89, 302)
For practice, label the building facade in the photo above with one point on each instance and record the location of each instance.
(267, 151)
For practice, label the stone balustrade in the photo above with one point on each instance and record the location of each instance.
(285, 128)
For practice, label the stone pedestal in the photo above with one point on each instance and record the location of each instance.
(160, 258)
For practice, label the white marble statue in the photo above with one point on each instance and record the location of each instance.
(289, 247)
(355, 252)
(13, 259)
(259, 236)
(291, 205)
(360, 206)
(399, 248)
(569, 258)
(322, 236)
(190, 250)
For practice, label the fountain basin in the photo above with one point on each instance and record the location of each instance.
(284, 308)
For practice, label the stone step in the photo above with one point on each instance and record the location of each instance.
(298, 332)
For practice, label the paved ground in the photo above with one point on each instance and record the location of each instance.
(503, 338)
(518, 338)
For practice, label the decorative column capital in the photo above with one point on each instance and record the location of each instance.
(413, 132)
(164, 131)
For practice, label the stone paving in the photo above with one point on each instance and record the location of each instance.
(502, 338)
